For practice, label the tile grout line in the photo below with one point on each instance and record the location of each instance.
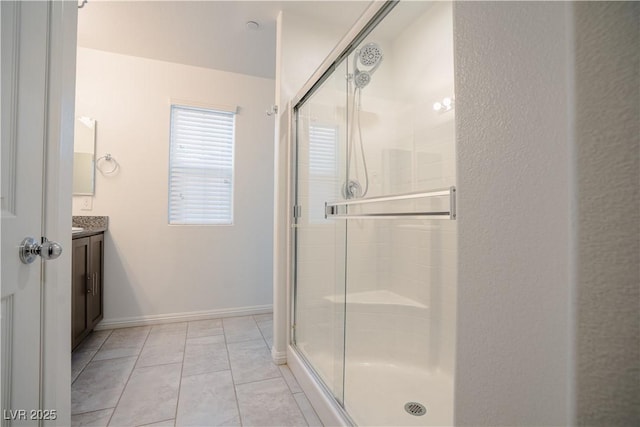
(285, 381)
(294, 395)
(233, 382)
(280, 375)
(155, 422)
(261, 334)
(129, 377)
(267, 345)
(146, 340)
(159, 364)
(300, 408)
(92, 411)
(271, 358)
(90, 360)
(113, 358)
(207, 372)
(184, 356)
(263, 380)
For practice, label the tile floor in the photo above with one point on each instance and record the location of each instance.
(204, 373)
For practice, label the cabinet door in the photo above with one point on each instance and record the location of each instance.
(94, 298)
(80, 284)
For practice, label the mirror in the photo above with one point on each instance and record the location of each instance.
(84, 157)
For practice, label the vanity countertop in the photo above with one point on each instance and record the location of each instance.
(90, 225)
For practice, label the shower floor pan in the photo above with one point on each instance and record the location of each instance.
(375, 395)
(376, 392)
(382, 374)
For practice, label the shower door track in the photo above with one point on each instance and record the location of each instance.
(325, 390)
(367, 22)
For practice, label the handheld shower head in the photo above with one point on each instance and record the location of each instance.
(362, 78)
(369, 55)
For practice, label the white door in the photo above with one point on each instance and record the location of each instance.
(26, 89)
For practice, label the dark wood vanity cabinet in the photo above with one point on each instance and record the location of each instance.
(86, 288)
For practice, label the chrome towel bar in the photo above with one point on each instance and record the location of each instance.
(340, 209)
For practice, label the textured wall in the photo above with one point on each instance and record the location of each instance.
(607, 37)
(514, 262)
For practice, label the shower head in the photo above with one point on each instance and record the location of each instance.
(369, 55)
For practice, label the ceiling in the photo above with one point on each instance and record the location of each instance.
(211, 34)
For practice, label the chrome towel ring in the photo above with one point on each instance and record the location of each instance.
(110, 159)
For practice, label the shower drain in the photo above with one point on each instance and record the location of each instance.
(415, 408)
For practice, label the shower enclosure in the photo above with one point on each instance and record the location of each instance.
(374, 228)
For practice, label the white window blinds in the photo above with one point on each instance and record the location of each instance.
(323, 169)
(201, 166)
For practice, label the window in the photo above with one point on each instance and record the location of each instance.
(323, 169)
(201, 166)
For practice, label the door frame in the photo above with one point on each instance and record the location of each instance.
(55, 381)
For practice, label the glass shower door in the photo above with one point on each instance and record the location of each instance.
(375, 249)
(401, 239)
(320, 243)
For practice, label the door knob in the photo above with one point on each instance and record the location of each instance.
(30, 248)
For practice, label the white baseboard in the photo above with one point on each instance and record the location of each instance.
(127, 322)
(325, 405)
(279, 357)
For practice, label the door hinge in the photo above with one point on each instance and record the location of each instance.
(297, 211)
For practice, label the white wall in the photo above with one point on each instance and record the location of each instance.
(515, 216)
(607, 36)
(152, 268)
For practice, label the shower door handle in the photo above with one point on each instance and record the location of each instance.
(340, 209)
